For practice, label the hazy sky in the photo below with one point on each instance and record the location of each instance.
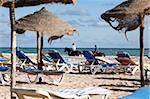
(85, 16)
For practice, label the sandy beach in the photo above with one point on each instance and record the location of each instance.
(80, 26)
(120, 84)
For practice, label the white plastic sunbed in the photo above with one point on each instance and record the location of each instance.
(80, 93)
(33, 75)
(61, 64)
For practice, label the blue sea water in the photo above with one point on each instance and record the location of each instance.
(107, 51)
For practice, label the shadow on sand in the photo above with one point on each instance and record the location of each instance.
(118, 78)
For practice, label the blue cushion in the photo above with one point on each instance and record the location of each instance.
(90, 57)
(56, 56)
(3, 68)
(109, 65)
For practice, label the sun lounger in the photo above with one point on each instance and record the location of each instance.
(32, 75)
(79, 93)
(27, 62)
(61, 63)
(141, 93)
(125, 60)
(5, 74)
(147, 74)
(104, 59)
(4, 70)
(46, 57)
(94, 65)
(55, 77)
(4, 58)
(24, 58)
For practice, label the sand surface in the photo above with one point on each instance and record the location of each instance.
(120, 84)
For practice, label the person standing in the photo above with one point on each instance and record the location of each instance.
(74, 47)
(95, 49)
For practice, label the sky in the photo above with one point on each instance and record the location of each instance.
(85, 17)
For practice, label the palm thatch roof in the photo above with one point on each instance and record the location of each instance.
(44, 22)
(22, 3)
(127, 14)
(2, 1)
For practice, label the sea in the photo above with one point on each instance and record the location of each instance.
(107, 51)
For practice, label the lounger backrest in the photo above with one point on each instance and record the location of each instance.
(56, 57)
(90, 57)
(47, 58)
(31, 93)
(126, 61)
(124, 58)
(23, 57)
(122, 54)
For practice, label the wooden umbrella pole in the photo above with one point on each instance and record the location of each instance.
(38, 49)
(13, 45)
(41, 51)
(142, 49)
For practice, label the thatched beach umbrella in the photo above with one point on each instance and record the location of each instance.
(45, 23)
(130, 15)
(23, 3)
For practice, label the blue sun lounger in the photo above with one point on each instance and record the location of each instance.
(4, 70)
(32, 75)
(30, 67)
(94, 65)
(61, 63)
(24, 58)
